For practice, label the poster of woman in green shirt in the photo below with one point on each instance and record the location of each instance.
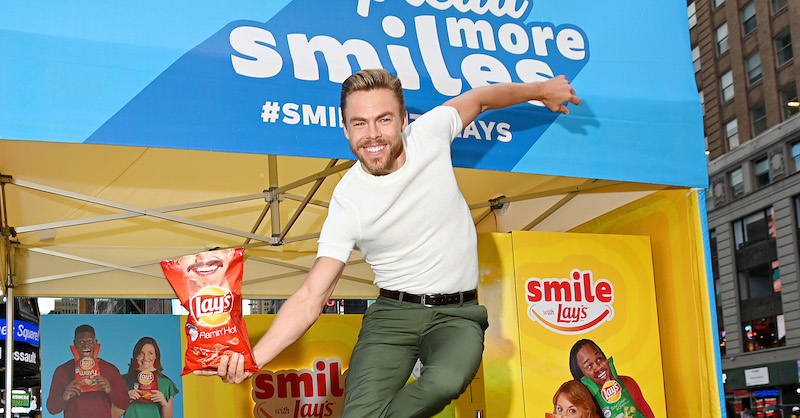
(150, 391)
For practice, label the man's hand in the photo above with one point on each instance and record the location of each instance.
(230, 369)
(72, 390)
(557, 91)
(102, 383)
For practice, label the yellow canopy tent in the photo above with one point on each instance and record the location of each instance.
(95, 220)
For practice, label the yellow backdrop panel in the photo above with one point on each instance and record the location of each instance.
(615, 268)
(528, 345)
(331, 337)
(502, 365)
(672, 221)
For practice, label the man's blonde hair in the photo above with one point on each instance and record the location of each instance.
(372, 79)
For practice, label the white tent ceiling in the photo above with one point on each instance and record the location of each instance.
(94, 220)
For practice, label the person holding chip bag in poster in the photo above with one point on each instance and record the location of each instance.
(615, 395)
(86, 386)
(209, 286)
(573, 400)
(150, 391)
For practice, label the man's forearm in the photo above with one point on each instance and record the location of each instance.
(292, 321)
(502, 95)
(552, 92)
(300, 311)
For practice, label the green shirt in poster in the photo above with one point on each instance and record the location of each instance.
(139, 409)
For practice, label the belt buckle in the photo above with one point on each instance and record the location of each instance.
(424, 301)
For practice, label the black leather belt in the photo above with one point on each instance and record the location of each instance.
(431, 300)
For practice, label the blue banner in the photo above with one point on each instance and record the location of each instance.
(256, 78)
(23, 332)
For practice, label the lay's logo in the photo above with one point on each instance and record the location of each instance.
(315, 392)
(573, 305)
(146, 378)
(87, 363)
(611, 391)
(212, 306)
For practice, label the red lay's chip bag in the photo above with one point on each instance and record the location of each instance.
(209, 286)
(147, 384)
(86, 368)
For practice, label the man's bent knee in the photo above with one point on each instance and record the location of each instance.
(445, 384)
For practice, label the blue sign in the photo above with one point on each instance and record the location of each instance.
(766, 393)
(23, 332)
(247, 78)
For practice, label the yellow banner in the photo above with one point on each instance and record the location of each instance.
(311, 373)
(305, 380)
(582, 286)
(569, 287)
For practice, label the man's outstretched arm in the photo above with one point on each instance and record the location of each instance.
(294, 318)
(554, 93)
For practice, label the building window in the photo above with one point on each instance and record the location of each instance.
(758, 278)
(789, 100)
(754, 229)
(737, 182)
(783, 47)
(796, 158)
(758, 114)
(761, 172)
(753, 63)
(778, 5)
(756, 282)
(768, 332)
(759, 281)
(712, 241)
(718, 3)
(722, 39)
(732, 134)
(692, 11)
(696, 58)
(702, 103)
(726, 83)
(749, 21)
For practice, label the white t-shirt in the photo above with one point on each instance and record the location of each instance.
(412, 226)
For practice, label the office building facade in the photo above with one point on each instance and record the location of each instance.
(745, 55)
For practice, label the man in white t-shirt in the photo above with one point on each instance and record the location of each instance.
(401, 207)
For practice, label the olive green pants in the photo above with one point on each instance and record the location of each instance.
(448, 340)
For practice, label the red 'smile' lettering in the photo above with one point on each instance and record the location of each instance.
(580, 288)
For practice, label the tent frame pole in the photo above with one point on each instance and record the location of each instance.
(8, 289)
(9, 358)
(141, 211)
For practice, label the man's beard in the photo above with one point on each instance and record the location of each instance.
(375, 167)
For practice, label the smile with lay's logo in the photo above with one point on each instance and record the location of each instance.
(572, 305)
(87, 363)
(212, 305)
(611, 391)
(145, 377)
(315, 392)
